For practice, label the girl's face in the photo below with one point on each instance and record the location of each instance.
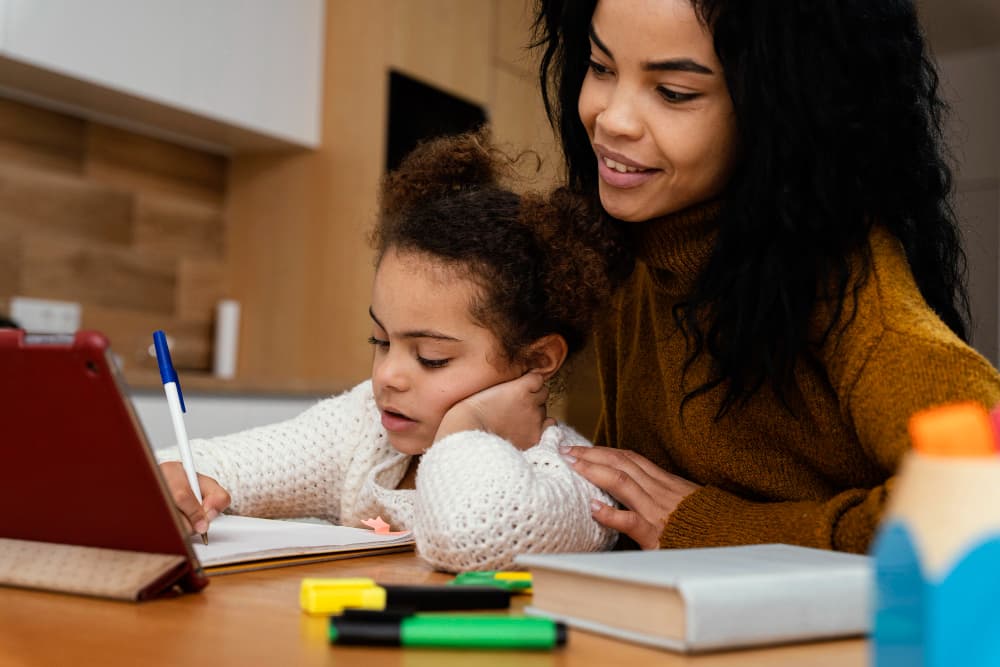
(656, 108)
(429, 353)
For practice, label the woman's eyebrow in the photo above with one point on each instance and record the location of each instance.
(669, 65)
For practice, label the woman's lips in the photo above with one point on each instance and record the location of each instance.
(395, 422)
(619, 171)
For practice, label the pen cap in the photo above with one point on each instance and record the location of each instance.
(332, 596)
(166, 364)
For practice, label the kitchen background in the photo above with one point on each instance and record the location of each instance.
(157, 157)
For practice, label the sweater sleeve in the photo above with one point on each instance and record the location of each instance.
(293, 468)
(903, 374)
(481, 502)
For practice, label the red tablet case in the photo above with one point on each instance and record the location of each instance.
(76, 466)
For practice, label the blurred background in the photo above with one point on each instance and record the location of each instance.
(158, 159)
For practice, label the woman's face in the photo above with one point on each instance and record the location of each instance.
(656, 108)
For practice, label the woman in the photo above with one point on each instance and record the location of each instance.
(797, 291)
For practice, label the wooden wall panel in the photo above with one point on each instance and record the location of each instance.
(40, 138)
(131, 336)
(518, 118)
(179, 227)
(446, 43)
(97, 274)
(131, 228)
(10, 265)
(512, 26)
(34, 200)
(144, 164)
(200, 286)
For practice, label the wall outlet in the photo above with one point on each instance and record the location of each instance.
(45, 316)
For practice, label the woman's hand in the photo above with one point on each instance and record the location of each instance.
(196, 517)
(649, 493)
(513, 410)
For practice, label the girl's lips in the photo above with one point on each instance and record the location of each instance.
(617, 179)
(395, 422)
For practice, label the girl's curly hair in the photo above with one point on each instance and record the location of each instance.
(840, 125)
(544, 264)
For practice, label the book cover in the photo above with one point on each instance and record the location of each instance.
(708, 599)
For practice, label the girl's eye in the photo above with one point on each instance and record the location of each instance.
(675, 97)
(598, 69)
(433, 363)
(378, 342)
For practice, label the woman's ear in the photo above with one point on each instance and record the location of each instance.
(547, 354)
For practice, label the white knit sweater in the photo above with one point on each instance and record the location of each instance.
(479, 501)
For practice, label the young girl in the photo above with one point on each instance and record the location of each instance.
(479, 294)
(797, 293)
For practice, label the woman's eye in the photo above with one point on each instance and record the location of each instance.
(598, 69)
(674, 97)
(433, 363)
(378, 342)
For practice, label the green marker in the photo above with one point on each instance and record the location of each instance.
(477, 631)
(514, 582)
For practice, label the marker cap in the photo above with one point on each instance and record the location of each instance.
(332, 596)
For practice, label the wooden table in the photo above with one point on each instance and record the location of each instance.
(253, 618)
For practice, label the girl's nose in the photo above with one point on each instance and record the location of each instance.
(390, 373)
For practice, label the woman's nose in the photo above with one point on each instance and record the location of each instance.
(620, 117)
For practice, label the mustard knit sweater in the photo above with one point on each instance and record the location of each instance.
(819, 478)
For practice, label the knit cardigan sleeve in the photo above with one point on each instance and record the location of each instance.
(481, 502)
(293, 468)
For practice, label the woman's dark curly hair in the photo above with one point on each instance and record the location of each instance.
(840, 127)
(541, 263)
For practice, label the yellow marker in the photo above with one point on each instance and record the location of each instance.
(959, 429)
(332, 596)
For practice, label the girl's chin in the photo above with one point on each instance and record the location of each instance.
(408, 445)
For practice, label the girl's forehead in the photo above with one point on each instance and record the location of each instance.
(413, 288)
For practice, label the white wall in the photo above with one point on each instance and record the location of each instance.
(208, 415)
(971, 84)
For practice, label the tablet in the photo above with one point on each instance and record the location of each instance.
(77, 468)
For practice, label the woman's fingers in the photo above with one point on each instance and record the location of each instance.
(645, 533)
(649, 493)
(596, 458)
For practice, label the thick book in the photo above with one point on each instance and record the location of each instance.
(694, 600)
(237, 543)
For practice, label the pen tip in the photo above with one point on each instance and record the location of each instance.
(204, 538)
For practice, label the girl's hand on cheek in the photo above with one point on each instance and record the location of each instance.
(513, 410)
(649, 493)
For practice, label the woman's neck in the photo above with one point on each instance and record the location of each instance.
(678, 245)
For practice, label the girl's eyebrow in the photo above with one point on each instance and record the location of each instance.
(669, 65)
(422, 333)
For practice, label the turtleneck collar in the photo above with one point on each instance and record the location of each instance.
(676, 247)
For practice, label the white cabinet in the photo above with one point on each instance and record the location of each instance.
(239, 74)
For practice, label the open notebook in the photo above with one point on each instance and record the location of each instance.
(237, 543)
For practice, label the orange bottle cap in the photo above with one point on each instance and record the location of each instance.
(958, 429)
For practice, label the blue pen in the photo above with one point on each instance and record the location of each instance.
(175, 400)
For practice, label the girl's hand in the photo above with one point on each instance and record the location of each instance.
(649, 493)
(195, 517)
(513, 410)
